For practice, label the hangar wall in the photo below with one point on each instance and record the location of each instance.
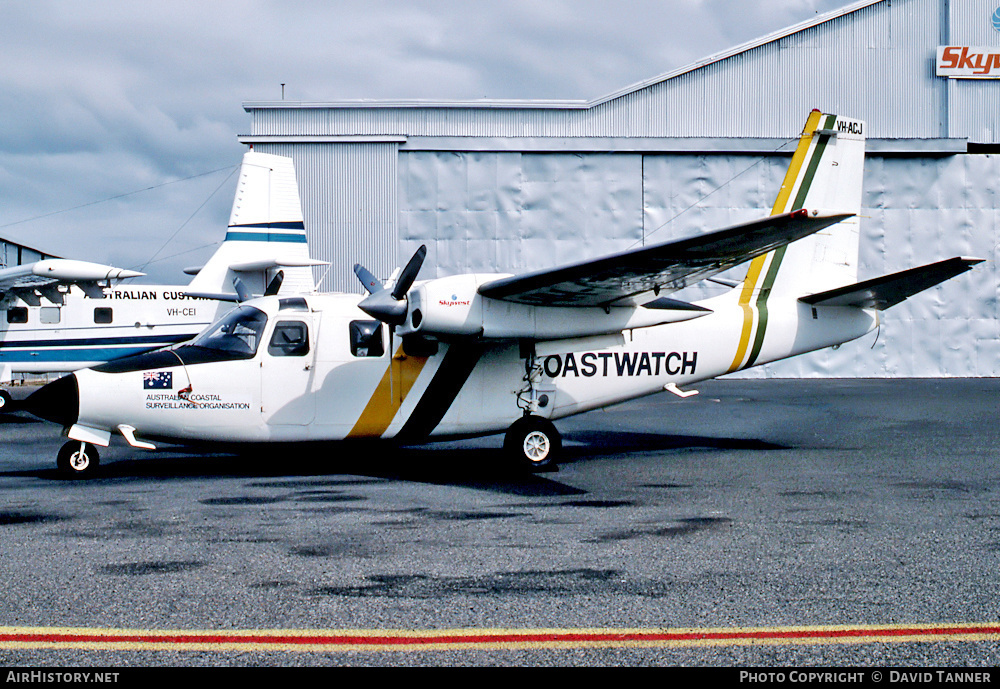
(12, 254)
(513, 186)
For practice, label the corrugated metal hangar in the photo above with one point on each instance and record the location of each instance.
(509, 186)
(12, 254)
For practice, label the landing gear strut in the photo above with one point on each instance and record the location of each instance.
(532, 442)
(78, 459)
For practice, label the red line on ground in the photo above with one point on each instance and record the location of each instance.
(474, 637)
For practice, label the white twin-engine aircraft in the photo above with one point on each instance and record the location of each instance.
(61, 315)
(479, 354)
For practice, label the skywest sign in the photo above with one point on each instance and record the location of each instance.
(968, 62)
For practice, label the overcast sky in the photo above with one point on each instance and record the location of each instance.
(118, 120)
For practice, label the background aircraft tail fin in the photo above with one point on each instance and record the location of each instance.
(266, 233)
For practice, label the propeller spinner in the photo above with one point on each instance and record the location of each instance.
(389, 306)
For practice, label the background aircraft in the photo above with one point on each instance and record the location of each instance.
(61, 315)
(479, 354)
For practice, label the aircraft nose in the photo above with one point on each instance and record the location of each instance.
(58, 401)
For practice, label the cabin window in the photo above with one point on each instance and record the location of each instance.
(366, 338)
(17, 314)
(49, 314)
(290, 338)
(102, 314)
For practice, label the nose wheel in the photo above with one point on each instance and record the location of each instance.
(533, 443)
(6, 402)
(78, 459)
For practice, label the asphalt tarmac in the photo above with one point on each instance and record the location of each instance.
(755, 505)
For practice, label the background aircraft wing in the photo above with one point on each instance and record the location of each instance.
(665, 267)
(46, 274)
(882, 292)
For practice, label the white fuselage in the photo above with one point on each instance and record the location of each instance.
(83, 332)
(342, 385)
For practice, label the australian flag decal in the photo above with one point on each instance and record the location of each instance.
(158, 380)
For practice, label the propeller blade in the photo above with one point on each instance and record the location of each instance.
(275, 284)
(409, 273)
(242, 293)
(368, 281)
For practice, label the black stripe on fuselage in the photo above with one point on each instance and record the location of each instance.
(455, 369)
(187, 355)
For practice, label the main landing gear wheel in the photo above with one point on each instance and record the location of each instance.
(533, 443)
(6, 402)
(78, 459)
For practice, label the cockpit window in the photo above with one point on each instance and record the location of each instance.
(237, 334)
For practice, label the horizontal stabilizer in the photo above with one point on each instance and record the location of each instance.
(264, 264)
(888, 290)
(215, 296)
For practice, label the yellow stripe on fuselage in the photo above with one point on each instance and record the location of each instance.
(389, 395)
(780, 206)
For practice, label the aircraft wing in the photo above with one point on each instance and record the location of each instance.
(49, 272)
(888, 290)
(665, 267)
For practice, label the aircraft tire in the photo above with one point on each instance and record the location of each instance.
(6, 402)
(74, 463)
(533, 443)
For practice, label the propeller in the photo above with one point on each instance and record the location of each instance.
(275, 284)
(389, 306)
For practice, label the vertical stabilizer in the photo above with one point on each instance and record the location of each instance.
(825, 173)
(266, 232)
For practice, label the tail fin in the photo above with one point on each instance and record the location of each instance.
(266, 233)
(825, 173)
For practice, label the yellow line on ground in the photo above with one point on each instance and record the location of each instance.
(336, 640)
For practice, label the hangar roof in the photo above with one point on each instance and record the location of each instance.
(873, 60)
(569, 104)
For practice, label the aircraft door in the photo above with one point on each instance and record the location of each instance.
(288, 369)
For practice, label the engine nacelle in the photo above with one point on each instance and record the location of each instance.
(446, 306)
(452, 306)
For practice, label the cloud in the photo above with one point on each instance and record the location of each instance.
(103, 98)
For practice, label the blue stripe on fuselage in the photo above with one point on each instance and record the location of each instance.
(36, 356)
(84, 349)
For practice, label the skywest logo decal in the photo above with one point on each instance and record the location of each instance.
(454, 301)
(590, 364)
(965, 62)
